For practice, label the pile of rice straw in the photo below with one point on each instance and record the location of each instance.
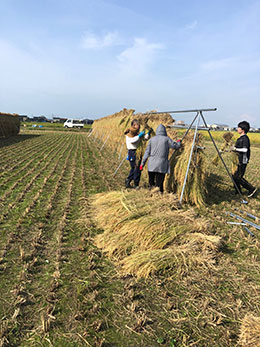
(250, 331)
(145, 233)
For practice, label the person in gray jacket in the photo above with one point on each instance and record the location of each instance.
(157, 151)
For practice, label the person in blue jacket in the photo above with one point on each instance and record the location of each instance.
(157, 151)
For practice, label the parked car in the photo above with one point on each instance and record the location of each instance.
(73, 123)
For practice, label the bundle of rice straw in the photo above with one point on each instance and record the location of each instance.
(144, 232)
(195, 189)
(196, 251)
(227, 145)
(250, 331)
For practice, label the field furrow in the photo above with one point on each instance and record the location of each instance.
(32, 242)
(24, 184)
(25, 157)
(52, 252)
(22, 171)
(58, 289)
(11, 151)
(26, 213)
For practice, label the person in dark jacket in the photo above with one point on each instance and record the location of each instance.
(242, 148)
(157, 151)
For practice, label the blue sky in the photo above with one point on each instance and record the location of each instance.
(90, 58)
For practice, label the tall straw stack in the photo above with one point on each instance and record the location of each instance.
(112, 128)
(195, 189)
(9, 124)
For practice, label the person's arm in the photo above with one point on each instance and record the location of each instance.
(146, 153)
(245, 145)
(133, 139)
(174, 144)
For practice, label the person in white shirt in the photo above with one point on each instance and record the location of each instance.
(133, 138)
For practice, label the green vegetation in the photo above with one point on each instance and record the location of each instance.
(50, 126)
(57, 288)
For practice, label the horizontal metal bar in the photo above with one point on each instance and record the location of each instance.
(244, 220)
(186, 127)
(185, 111)
(248, 214)
(236, 223)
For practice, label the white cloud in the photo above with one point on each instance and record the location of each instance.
(192, 25)
(23, 72)
(219, 64)
(139, 57)
(92, 41)
(247, 117)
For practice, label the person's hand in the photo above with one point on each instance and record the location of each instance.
(179, 143)
(141, 134)
(141, 167)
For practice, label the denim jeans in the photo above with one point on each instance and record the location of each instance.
(135, 173)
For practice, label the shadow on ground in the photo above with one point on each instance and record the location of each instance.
(219, 189)
(15, 139)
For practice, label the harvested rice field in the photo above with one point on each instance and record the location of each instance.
(85, 262)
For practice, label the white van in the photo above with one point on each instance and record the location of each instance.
(73, 123)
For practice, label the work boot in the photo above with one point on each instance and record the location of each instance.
(127, 183)
(252, 192)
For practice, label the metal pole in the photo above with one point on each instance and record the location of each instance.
(231, 177)
(249, 232)
(96, 136)
(101, 137)
(118, 167)
(248, 214)
(191, 153)
(104, 143)
(236, 223)
(185, 111)
(184, 127)
(119, 156)
(190, 126)
(90, 133)
(244, 220)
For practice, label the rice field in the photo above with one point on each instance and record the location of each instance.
(218, 135)
(57, 288)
